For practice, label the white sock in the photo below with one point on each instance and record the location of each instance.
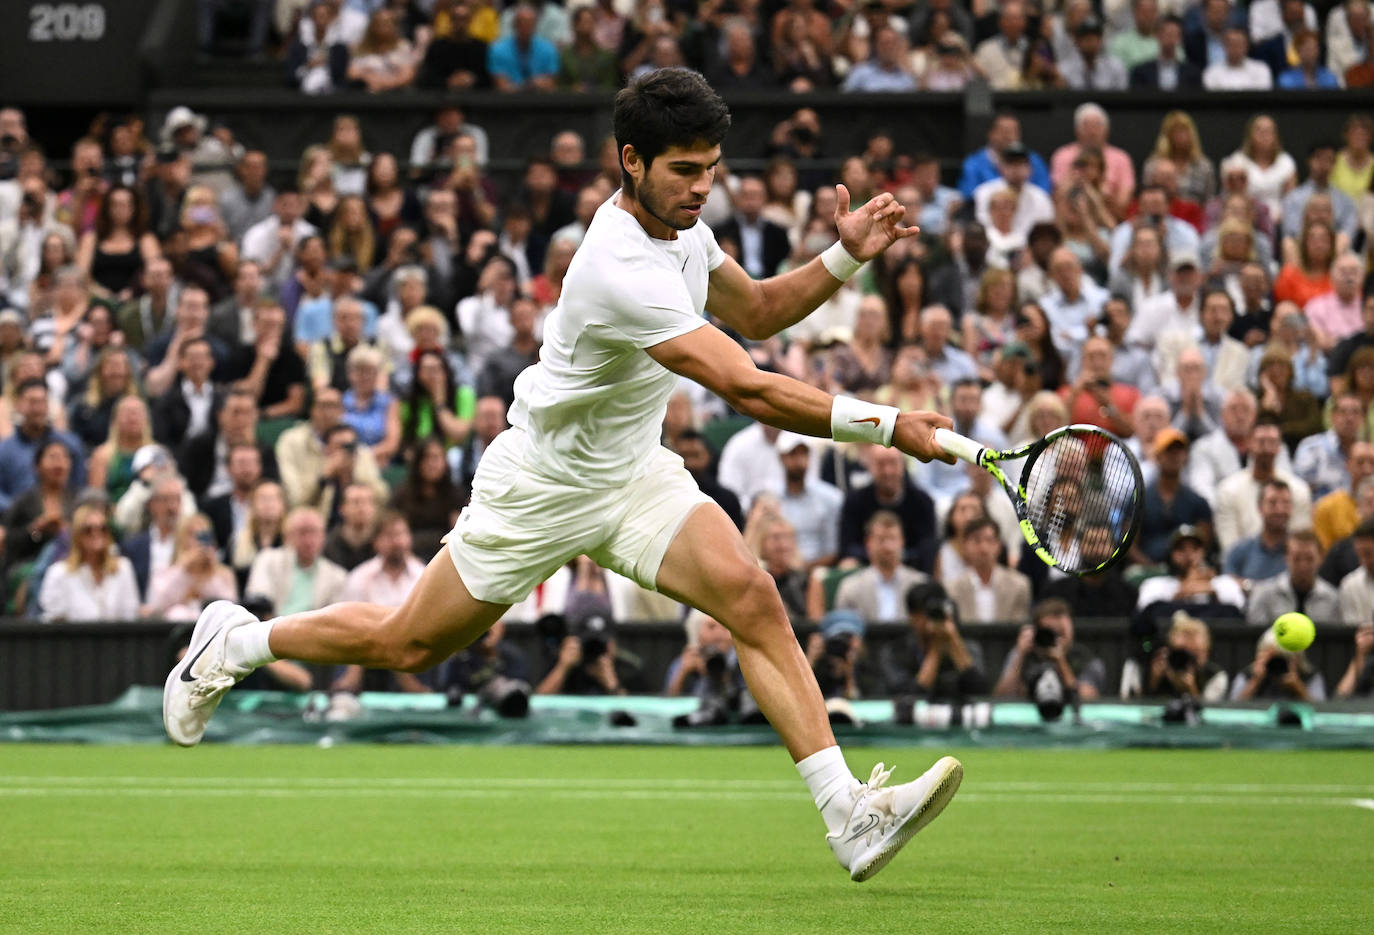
(246, 646)
(831, 783)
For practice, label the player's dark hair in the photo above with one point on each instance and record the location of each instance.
(667, 107)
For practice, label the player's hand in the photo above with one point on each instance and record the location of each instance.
(914, 434)
(873, 228)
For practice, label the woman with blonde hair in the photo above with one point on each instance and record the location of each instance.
(1043, 414)
(94, 582)
(351, 235)
(383, 60)
(111, 465)
(1272, 172)
(263, 529)
(315, 180)
(348, 157)
(195, 577)
(211, 257)
(993, 319)
(1178, 143)
(373, 413)
(112, 379)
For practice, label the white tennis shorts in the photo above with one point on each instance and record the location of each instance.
(521, 526)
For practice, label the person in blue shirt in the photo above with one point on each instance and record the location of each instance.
(983, 166)
(34, 429)
(523, 61)
(1309, 74)
(1265, 555)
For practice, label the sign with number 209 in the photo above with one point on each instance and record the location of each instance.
(66, 22)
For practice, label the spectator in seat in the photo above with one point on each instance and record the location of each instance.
(456, 61)
(150, 550)
(763, 245)
(1080, 672)
(1336, 315)
(1336, 515)
(488, 421)
(383, 60)
(892, 491)
(387, 579)
(194, 578)
(1190, 580)
(204, 460)
(988, 592)
(1033, 206)
(374, 414)
(1344, 351)
(1341, 558)
(1265, 554)
(739, 67)
(933, 660)
(271, 369)
(317, 59)
(1357, 588)
(1272, 172)
(1107, 593)
(1297, 588)
(1094, 68)
(187, 410)
(585, 65)
(1237, 71)
(1278, 674)
(349, 543)
(1167, 70)
(1221, 452)
(231, 319)
(94, 582)
(229, 512)
(810, 504)
(1094, 398)
(1224, 358)
(271, 243)
(1321, 159)
(1295, 410)
(261, 530)
(521, 60)
(1237, 507)
(1169, 503)
(429, 499)
(39, 515)
(307, 467)
(773, 541)
(876, 592)
(1326, 461)
(887, 69)
(18, 452)
(111, 464)
(1358, 680)
(297, 577)
(1000, 57)
(983, 165)
(1091, 126)
(1309, 74)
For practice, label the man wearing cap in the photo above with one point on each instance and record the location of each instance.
(983, 165)
(933, 660)
(1092, 69)
(1033, 206)
(1169, 503)
(34, 429)
(1190, 579)
(1179, 309)
(1237, 496)
(1296, 588)
(810, 504)
(1016, 381)
(876, 592)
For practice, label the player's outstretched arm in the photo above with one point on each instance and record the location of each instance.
(760, 309)
(712, 359)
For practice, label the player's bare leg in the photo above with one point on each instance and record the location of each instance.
(439, 617)
(709, 567)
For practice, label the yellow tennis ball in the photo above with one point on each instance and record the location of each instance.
(1294, 631)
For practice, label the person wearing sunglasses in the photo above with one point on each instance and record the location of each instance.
(95, 582)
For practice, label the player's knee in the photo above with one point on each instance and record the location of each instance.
(755, 603)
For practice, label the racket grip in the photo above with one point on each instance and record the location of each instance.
(963, 448)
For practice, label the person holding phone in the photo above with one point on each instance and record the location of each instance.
(195, 577)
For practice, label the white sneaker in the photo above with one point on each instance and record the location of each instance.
(198, 682)
(884, 819)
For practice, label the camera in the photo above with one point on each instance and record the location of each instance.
(508, 697)
(595, 634)
(1045, 638)
(1180, 660)
(714, 660)
(837, 647)
(1276, 667)
(1045, 688)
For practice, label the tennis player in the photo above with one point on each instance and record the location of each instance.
(581, 469)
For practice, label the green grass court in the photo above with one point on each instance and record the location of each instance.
(388, 839)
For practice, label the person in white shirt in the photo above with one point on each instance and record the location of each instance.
(485, 317)
(386, 579)
(1238, 72)
(1032, 204)
(271, 243)
(1357, 588)
(582, 469)
(1175, 310)
(1226, 358)
(94, 582)
(1237, 505)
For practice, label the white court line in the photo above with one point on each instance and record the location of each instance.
(149, 790)
(651, 784)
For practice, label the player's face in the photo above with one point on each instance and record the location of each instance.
(674, 187)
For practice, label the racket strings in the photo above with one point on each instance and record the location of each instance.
(1080, 497)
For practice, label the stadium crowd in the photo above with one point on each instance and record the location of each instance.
(222, 384)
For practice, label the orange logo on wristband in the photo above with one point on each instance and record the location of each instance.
(874, 419)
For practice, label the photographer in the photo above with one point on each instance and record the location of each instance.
(933, 660)
(1276, 673)
(494, 670)
(588, 662)
(1181, 668)
(838, 657)
(1046, 648)
(1358, 680)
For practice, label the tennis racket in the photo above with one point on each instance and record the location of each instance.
(1079, 498)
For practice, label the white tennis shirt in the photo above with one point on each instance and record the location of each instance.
(592, 408)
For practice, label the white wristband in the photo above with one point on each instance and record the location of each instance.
(841, 265)
(853, 420)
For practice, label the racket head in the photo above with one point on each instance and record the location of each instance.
(1082, 499)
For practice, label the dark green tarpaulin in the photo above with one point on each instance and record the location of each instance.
(270, 717)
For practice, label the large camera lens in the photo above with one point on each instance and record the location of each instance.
(1045, 638)
(1180, 660)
